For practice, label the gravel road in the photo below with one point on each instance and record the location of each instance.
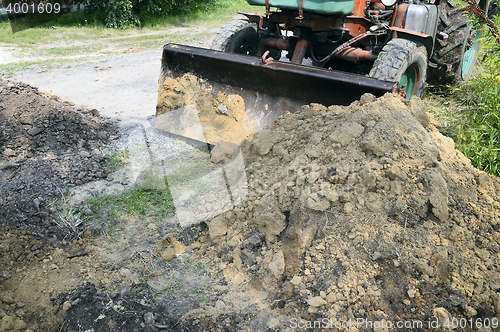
(123, 86)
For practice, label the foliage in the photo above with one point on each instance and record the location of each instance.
(475, 126)
(126, 13)
(482, 16)
(479, 137)
(113, 13)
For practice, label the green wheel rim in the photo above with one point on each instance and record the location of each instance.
(470, 55)
(408, 81)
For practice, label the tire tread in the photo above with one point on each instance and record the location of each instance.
(227, 32)
(448, 55)
(396, 56)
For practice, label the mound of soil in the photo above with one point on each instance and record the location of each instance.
(187, 107)
(366, 212)
(46, 146)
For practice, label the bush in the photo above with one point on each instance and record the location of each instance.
(479, 137)
(124, 13)
(112, 13)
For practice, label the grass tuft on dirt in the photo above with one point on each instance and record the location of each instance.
(117, 159)
(151, 204)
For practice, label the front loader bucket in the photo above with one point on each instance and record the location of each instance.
(213, 96)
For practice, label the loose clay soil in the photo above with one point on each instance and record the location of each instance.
(357, 212)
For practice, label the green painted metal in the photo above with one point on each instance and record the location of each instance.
(335, 7)
(408, 81)
(470, 54)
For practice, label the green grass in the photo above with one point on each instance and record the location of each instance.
(78, 40)
(470, 114)
(479, 137)
(8, 70)
(188, 177)
(117, 159)
(218, 13)
(153, 205)
(190, 170)
(168, 291)
(74, 26)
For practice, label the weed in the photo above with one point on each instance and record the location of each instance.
(113, 239)
(470, 114)
(147, 203)
(117, 159)
(479, 137)
(167, 291)
(67, 216)
(198, 267)
(197, 290)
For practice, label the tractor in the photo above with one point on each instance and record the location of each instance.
(320, 51)
(409, 42)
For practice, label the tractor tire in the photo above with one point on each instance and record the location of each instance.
(402, 61)
(240, 37)
(453, 60)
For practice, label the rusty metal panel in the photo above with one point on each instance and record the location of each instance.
(399, 16)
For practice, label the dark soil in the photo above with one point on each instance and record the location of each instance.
(46, 146)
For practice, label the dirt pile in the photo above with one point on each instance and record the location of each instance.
(364, 211)
(186, 107)
(46, 146)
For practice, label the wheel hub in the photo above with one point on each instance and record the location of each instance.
(408, 83)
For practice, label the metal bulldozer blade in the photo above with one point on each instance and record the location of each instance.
(212, 96)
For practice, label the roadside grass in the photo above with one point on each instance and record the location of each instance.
(76, 40)
(53, 56)
(221, 12)
(74, 26)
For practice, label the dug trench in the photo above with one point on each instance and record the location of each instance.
(358, 212)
